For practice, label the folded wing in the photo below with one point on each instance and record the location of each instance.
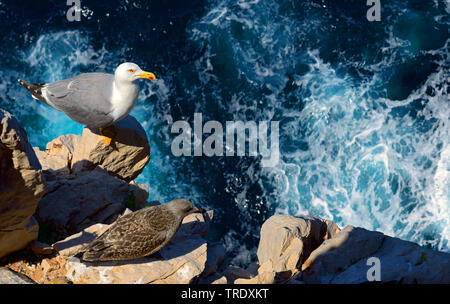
(85, 98)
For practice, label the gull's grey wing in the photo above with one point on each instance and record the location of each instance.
(84, 98)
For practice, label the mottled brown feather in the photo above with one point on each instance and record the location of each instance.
(140, 233)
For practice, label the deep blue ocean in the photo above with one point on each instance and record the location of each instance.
(363, 106)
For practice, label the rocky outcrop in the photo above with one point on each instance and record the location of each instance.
(89, 181)
(7, 276)
(231, 274)
(328, 259)
(344, 259)
(124, 158)
(88, 184)
(340, 258)
(21, 186)
(57, 157)
(286, 241)
(216, 255)
(305, 250)
(74, 202)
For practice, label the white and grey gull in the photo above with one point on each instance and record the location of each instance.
(96, 100)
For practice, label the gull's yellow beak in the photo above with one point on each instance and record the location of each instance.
(147, 75)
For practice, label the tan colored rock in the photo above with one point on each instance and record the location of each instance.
(58, 154)
(339, 252)
(47, 271)
(267, 266)
(71, 245)
(7, 276)
(265, 275)
(74, 202)
(332, 229)
(263, 278)
(126, 211)
(230, 275)
(287, 240)
(21, 186)
(124, 158)
(343, 260)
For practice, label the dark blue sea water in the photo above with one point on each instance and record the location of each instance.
(363, 106)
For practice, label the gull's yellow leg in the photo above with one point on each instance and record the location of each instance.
(108, 134)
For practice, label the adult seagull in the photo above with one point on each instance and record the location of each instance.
(96, 100)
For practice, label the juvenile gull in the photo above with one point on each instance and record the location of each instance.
(96, 100)
(140, 233)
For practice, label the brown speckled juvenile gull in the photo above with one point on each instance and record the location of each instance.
(140, 233)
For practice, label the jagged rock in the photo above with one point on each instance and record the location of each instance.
(195, 223)
(252, 268)
(71, 245)
(124, 158)
(230, 275)
(47, 271)
(7, 276)
(287, 240)
(74, 202)
(216, 255)
(57, 157)
(21, 186)
(126, 211)
(343, 260)
(404, 262)
(40, 248)
(263, 278)
(182, 262)
(339, 252)
(264, 275)
(90, 182)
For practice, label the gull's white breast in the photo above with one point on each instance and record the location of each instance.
(123, 99)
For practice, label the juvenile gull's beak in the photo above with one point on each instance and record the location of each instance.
(147, 75)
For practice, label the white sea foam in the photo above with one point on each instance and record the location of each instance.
(363, 165)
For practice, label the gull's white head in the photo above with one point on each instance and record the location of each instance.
(130, 72)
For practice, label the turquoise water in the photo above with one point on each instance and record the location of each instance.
(363, 106)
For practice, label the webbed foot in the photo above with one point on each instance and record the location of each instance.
(108, 133)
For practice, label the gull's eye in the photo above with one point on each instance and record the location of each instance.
(131, 70)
